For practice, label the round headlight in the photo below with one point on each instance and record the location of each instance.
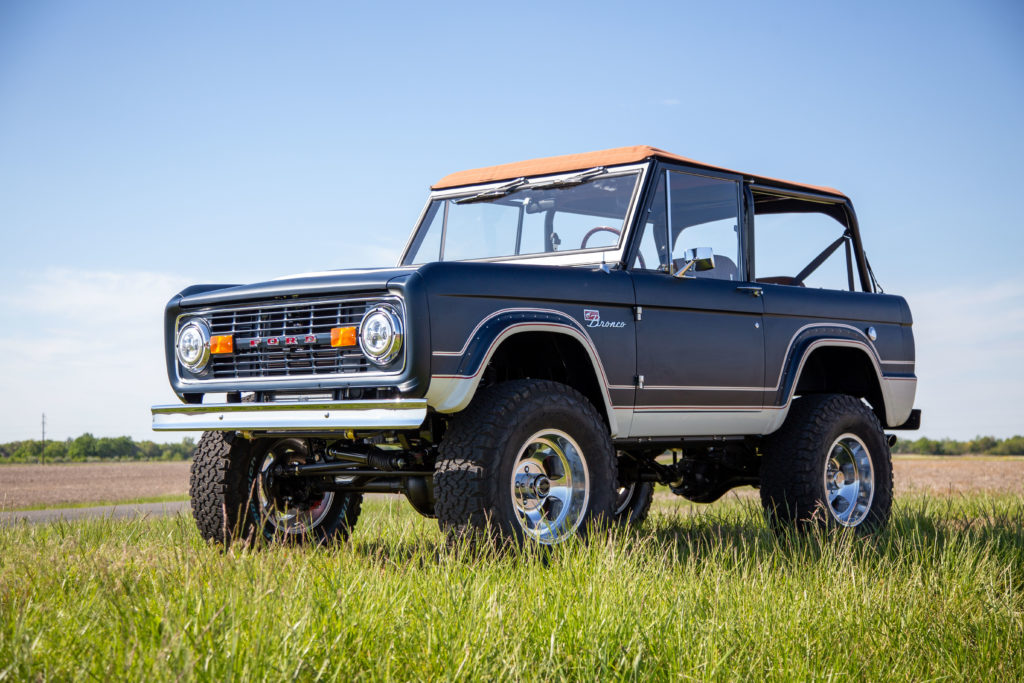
(193, 345)
(380, 334)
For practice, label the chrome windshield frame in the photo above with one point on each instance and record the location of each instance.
(590, 256)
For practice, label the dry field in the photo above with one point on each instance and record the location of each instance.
(960, 474)
(33, 485)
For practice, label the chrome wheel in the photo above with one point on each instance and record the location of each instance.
(293, 510)
(550, 486)
(849, 480)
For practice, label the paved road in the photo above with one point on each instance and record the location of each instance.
(106, 511)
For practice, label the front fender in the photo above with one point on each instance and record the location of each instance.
(456, 373)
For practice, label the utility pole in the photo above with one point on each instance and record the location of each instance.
(43, 450)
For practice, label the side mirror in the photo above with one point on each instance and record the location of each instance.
(699, 260)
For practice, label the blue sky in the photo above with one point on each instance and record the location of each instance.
(146, 146)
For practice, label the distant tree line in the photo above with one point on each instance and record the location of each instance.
(88, 448)
(979, 445)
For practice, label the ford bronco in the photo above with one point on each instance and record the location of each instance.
(559, 336)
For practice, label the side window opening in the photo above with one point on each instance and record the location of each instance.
(653, 251)
(801, 243)
(723, 238)
(704, 212)
(690, 211)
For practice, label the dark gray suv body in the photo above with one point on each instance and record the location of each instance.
(559, 336)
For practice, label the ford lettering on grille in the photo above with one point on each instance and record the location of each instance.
(304, 340)
(288, 340)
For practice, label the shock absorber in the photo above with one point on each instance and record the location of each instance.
(386, 462)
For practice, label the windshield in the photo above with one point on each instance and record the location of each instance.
(524, 218)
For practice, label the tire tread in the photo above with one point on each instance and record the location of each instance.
(793, 461)
(465, 481)
(221, 494)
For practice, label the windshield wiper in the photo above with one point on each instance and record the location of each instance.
(494, 192)
(569, 181)
(511, 186)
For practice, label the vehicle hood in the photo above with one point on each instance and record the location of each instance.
(322, 283)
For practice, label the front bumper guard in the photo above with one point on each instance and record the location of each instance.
(291, 417)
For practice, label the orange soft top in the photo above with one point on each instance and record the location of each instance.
(580, 162)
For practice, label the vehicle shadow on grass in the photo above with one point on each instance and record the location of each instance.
(916, 528)
(452, 550)
(737, 532)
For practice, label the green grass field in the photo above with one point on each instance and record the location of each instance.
(712, 595)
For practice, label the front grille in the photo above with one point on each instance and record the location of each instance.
(300, 320)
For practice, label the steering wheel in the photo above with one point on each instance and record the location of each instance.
(616, 232)
(594, 231)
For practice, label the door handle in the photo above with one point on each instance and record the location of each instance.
(752, 291)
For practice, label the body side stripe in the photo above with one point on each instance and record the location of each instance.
(572, 330)
(483, 321)
(576, 329)
(873, 352)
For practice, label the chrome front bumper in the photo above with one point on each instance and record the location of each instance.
(291, 417)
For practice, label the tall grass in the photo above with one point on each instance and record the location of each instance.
(710, 594)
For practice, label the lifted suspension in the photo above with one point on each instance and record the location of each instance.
(371, 472)
(346, 464)
(702, 472)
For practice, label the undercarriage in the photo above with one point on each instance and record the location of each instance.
(395, 463)
(531, 461)
(700, 471)
(362, 466)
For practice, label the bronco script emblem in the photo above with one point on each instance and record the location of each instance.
(592, 317)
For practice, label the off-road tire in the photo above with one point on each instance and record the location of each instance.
(225, 504)
(477, 455)
(793, 467)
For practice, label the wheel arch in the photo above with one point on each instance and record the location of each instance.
(547, 354)
(847, 366)
(537, 349)
(839, 368)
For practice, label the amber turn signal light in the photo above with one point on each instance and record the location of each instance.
(222, 343)
(343, 336)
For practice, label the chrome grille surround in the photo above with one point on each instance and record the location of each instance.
(304, 319)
